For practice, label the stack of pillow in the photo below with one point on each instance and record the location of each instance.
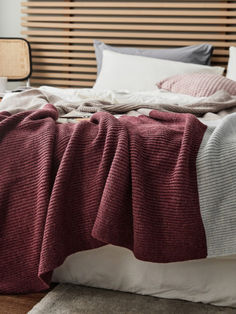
(184, 70)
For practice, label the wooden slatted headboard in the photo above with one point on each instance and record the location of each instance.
(61, 33)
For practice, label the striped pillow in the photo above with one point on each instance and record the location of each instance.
(198, 84)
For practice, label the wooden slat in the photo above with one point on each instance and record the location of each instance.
(219, 60)
(96, 26)
(92, 62)
(129, 35)
(65, 75)
(131, 20)
(73, 55)
(130, 42)
(130, 12)
(59, 68)
(49, 47)
(101, 4)
(61, 33)
(221, 52)
(62, 47)
(64, 61)
(61, 82)
(63, 54)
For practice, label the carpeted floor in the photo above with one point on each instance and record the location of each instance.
(72, 299)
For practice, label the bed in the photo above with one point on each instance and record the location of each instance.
(210, 280)
(96, 266)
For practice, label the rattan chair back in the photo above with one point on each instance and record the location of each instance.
(15, 59)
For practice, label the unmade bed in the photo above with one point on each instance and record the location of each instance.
(210, 280)
(129, 185)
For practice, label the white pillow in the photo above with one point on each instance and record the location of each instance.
(231, 70)
(138, 73)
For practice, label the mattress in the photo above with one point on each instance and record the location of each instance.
(210, 280)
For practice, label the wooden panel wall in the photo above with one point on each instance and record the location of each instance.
(61, 32)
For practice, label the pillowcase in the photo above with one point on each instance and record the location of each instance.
(198, 84)
(136, 73)
(199, 54)
(231, 70)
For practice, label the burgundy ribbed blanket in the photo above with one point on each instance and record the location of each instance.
(69, 187)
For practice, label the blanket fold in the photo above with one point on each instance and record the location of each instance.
(70, 187)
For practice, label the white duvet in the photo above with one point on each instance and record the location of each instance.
(121, 96)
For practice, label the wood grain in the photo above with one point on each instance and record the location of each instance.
(116, 4)
(130, 19)
(131, 42)
(140, 27)
(61, 33)
(21, 304)
(129, 12)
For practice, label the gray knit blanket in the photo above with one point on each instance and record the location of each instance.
(216, 172)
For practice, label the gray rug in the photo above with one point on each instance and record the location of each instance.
(72, 299)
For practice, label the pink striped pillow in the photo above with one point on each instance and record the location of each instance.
(198, 84)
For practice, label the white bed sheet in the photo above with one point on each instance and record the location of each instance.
(111, 267)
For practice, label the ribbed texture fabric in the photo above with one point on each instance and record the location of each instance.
(198, 84)
(216, 172)
(69, 187)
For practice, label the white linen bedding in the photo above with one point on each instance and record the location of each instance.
(209, 280)
(115, 97)
(137, 73)
(74, 103)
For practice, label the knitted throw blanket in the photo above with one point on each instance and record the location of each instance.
(69, 187)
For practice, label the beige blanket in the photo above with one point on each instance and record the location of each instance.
(215, 106)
